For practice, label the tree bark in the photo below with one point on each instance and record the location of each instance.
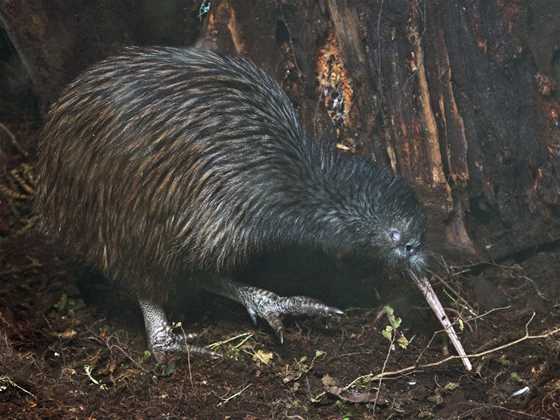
(458, 97)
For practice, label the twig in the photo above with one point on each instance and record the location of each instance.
(537, 290)
(482, 407)
(88, 370)
(110, 346)
(459, 317)
(125, 354)
(180, 325)
(455, 292)
(9, 381)
(246, 336)
(391, 344)
(488, 312)
(228, 399)
(526, 337)
(13, 140)
(436, 306)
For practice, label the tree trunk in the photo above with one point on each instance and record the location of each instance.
(458, 97)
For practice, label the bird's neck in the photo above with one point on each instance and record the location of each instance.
(316, 208)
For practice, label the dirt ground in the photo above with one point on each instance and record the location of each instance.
(72, 347)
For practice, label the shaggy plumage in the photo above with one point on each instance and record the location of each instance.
(161, 162)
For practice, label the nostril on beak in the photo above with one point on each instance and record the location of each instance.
(410, 250)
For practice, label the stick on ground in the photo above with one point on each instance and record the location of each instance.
(432, 299)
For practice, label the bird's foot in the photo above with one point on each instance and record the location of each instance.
(168, 341)
(272, 307)
(165, 341)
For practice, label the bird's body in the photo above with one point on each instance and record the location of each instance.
(161, 163)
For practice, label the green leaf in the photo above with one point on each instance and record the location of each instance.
(264, 357)
(396, 322)
(388, 332)
(403, 342)
(451, 386)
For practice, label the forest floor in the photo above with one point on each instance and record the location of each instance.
(74, 351)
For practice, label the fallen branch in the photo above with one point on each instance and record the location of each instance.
(434, 303)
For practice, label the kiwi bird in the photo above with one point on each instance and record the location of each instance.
(163, 165)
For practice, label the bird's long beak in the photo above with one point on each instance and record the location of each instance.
(432, 299)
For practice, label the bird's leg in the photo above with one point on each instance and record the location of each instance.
(162, 340)
(268, 305)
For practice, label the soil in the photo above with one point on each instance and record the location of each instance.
(72, 346)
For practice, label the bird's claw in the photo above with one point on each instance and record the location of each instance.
(165, 343)
(272, 308)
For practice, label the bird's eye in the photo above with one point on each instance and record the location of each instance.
(409, 249)
(395, 235)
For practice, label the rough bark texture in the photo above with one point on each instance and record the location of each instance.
(458, 97)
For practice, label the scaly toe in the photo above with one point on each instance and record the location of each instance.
(275, 322)
(302, 305)
(165, 343)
